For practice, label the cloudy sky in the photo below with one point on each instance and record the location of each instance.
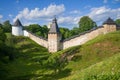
(68, 12)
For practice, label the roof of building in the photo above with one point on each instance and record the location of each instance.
(54, 27)
(17, 23)
(109, 21)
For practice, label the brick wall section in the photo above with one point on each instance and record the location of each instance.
(41, 41)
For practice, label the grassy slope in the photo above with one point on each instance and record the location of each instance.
(108, 69)
(95, 51)
(90, 56)
(27, 61)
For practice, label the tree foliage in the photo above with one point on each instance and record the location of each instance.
(38, 30)
(7, 26)
(5, 50)
(86, 23)
(65, 32)
(2, 35)
(1, 25)
(117, 21)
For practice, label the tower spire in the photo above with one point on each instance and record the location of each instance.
(17, 23)
(54, 28)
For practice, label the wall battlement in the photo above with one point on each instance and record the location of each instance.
(54, 43)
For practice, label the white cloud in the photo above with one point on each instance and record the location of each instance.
(100, 14)
(45, 15)
(68, 20)
(75, 12)
(36, 13)
(1, 16)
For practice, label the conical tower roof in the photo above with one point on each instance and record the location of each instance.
(109, 21)
(17, 23)
(54, 28)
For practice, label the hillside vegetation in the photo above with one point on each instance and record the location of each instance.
(98, 59)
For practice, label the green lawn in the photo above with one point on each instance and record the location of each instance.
(89, 61)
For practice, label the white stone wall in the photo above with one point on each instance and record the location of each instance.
(38, 40)
(25, 33)
(83, 38)
(17, 30)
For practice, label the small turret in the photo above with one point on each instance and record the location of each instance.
(109, 25)
(17, 28)
(54, 37)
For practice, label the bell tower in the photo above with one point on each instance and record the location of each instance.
(54, 37)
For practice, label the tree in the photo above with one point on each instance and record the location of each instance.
(86, 24)
(64, 32)
(7, 26)
(5, 49)
(1, 25)
(38, 30)
(45, 31)
(34, 28)
(74, 31)
(2, 43)
(117, 21)
(2, 35)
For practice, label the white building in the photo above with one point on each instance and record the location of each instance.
(17, 28)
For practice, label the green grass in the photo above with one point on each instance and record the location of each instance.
(93, 59)
(27, 63)
(108, 69)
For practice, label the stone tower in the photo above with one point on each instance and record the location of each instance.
(54, 37)
(17, 28)
(109, 25)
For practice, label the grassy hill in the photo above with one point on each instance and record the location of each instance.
(98, 59)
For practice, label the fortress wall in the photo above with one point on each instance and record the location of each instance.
(25, 33)
(73, 41)
(41, 41)
(82, 38)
